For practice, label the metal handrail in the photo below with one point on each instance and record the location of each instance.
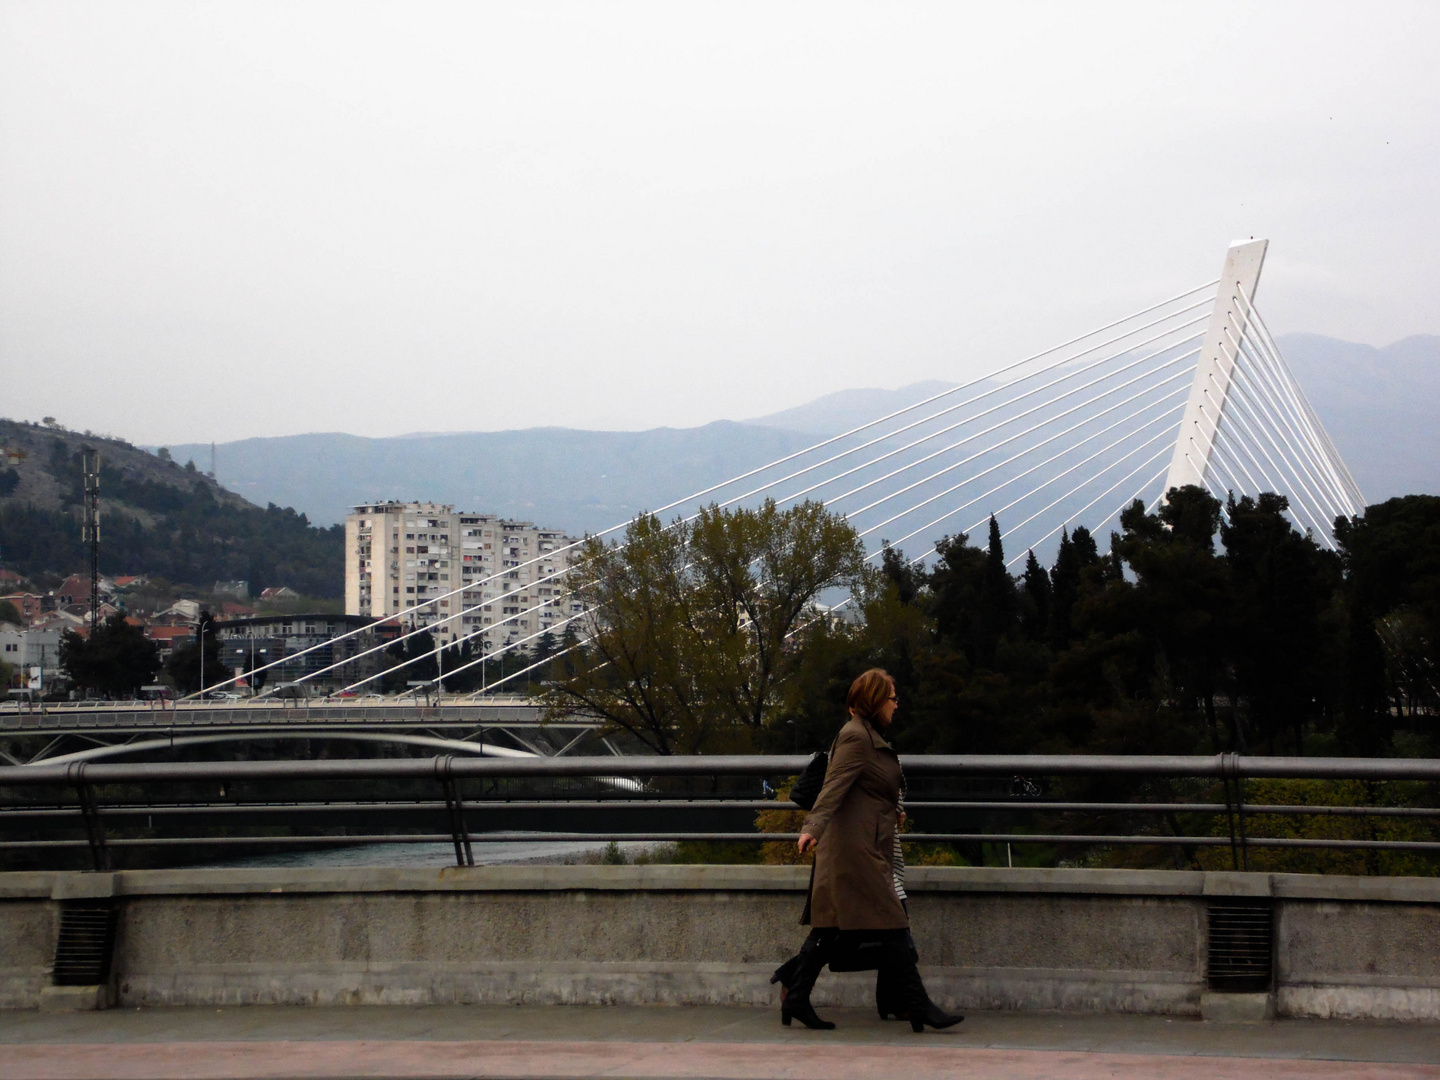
(1220, 766)
(621, 775)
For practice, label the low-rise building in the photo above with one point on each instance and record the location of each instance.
(479, 577)
(28, 649)
(180, 613)
(247, 644)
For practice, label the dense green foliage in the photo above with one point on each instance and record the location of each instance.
(194, 538)
(1167, 643)
(116, 660)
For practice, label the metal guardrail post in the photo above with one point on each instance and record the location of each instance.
(455, 808)
(1230, 774)
(90, 811)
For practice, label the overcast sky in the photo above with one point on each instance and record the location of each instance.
(223, 220)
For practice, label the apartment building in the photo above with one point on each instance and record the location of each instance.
(506, 577)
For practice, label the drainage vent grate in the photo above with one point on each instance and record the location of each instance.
(1241, 946)
(85, 943)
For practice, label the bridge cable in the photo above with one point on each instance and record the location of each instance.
(563, 572)
(550, 556)
(1070, 449)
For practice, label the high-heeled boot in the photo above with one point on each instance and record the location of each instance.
(905, 974)
(795, 992)
(888, 1001)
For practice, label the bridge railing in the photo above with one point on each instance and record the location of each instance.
(1063, 802)
(126, 716)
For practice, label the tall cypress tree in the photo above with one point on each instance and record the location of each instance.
(1035, 615)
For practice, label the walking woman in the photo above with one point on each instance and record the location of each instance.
(854, 907)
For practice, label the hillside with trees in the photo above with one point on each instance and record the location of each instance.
(158, 518)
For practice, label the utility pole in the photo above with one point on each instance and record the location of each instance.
(91, 461)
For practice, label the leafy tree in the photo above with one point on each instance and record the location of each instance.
(421, 650)
(954, 585)
(996, 603)
(1036, 594)
(1281, 640)
(1180, 602)
(689, 627)
(9, 613)
(1391, 556)
(116, 659)
(184, 663)
(1076, 555)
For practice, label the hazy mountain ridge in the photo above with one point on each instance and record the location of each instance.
(562, 477)
(1376, 404)
(846, 409)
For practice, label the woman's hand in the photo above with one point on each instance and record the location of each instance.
(900, 819)
(806, 843)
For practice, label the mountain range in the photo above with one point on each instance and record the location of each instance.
(1375, 402)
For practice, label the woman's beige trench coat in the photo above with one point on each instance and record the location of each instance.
(855, 820)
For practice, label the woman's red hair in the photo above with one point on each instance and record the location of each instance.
(868, 692)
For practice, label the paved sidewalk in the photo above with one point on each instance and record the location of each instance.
(736, 1044)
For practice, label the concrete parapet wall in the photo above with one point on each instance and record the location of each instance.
(1099, 940)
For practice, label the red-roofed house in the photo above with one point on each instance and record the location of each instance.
(168, 636)
(29, 605)
(73, 591)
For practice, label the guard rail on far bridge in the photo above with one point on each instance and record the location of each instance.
(79, 715)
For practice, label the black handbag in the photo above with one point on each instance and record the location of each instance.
(811, 780)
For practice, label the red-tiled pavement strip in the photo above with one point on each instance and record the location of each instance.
(733, 1061)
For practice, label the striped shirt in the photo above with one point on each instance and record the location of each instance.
(897, 858)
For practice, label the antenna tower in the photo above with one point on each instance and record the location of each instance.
(91, 459)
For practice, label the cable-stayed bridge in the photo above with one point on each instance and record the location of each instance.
(1189, 390)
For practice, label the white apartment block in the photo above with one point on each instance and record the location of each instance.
(507, 577)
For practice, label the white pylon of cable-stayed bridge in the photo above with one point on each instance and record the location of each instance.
(1210, 390)
(1247, 426)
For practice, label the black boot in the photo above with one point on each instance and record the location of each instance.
(933, 1015)
(888, 1001)
(905, 974)
(795, 990)
(786, 972)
